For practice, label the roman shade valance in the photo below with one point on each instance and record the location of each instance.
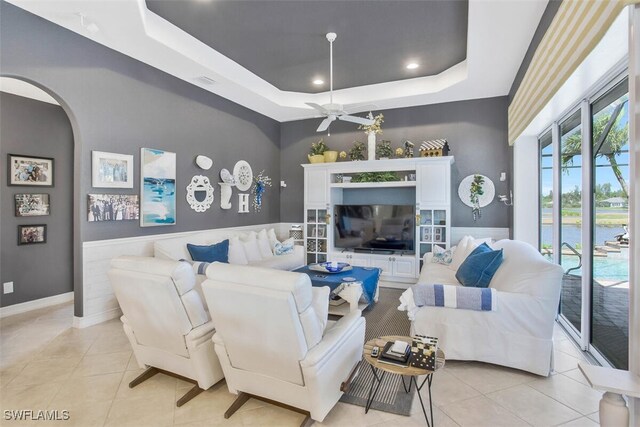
(575, 30)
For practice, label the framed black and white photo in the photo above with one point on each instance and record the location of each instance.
(111, 170)
(113, 207)
(32, 234)
(32, 204)
(30, 170)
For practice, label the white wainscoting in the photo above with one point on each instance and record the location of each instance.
(458, 233)
(99, 302)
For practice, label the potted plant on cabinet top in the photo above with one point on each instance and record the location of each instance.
(317, 152)
(384, 150)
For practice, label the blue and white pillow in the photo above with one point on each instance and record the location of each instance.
(284, 248)
(441, 256)
(198, 267)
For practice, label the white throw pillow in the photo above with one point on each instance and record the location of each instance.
(251, 248)
(264, 245)
(464, 248)
(236, 252)
(273, 239)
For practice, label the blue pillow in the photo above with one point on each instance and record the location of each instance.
(210, 253)
(479, 267)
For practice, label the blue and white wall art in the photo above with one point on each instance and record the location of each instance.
(158, 187)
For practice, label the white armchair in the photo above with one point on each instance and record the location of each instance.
(274, 341)
(166, 321)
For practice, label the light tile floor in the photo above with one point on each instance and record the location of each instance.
(47, 364)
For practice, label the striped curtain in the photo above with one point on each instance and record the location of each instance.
(575, 30)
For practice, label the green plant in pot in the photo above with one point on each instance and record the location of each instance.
(316, 154)
(384, 150)
(357, 151)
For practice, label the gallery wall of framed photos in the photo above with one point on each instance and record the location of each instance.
(37, 199)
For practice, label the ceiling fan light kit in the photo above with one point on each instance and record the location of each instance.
(332, 111)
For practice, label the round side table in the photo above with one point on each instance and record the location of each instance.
(409, 371)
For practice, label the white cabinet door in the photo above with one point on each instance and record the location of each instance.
(316, 186)
(433, 184)
(404, 267)
(384, 263)
(359, 260)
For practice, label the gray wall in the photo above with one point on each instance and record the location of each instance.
(119, 105)
(476, 131)
(35, 128)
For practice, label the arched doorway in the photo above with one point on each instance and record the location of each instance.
(41, 244)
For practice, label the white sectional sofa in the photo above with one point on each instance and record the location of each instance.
(519, 333)
(176, 249)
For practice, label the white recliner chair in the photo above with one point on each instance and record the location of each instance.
(166, 321)
(274, 341)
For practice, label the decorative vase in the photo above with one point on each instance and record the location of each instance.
(330, 156)
(371, 146)
(316, 158)
(225, 195)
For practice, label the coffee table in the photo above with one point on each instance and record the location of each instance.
(366, 282)
(409, 371)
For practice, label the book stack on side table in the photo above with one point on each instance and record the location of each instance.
(396, 353)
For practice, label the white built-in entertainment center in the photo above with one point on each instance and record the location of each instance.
(423, 182)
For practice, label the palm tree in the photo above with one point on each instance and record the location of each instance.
(615, 140)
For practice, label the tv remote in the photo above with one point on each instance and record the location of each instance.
(374, 351)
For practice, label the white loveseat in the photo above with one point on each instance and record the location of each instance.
(519, 333)
(175, 248)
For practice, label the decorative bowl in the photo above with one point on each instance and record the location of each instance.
(334, 268)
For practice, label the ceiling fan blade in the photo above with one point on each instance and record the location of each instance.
(317, 107)
(325, 124)
(356, 119)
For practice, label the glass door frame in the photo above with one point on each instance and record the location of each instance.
(608, 82)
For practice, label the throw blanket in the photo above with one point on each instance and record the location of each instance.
(467, 298)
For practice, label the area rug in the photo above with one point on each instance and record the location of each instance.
(383, 318)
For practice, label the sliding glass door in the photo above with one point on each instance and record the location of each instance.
(584, 157)
(570, 250)
(610, 249)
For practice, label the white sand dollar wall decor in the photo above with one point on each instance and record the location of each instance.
(200, 193)
(243, 175)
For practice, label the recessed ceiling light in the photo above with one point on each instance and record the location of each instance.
(412, 65)
(318, 82)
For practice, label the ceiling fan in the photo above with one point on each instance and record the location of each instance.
(333, 111)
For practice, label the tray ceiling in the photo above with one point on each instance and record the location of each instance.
(497, 34)
(283, 41)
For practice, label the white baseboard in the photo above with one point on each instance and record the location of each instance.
(86, 321)
(35, 304)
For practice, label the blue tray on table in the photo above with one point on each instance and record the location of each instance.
(367, 275)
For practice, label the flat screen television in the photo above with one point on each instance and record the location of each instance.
(375, 227)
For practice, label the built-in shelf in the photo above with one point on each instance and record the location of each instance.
(373, 184)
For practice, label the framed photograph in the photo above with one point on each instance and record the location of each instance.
(321, 231)
(32, 204)
(158, 187)
(30, 170)
(111, 170)
(113, 207)
(314, 232)
(32, 234)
